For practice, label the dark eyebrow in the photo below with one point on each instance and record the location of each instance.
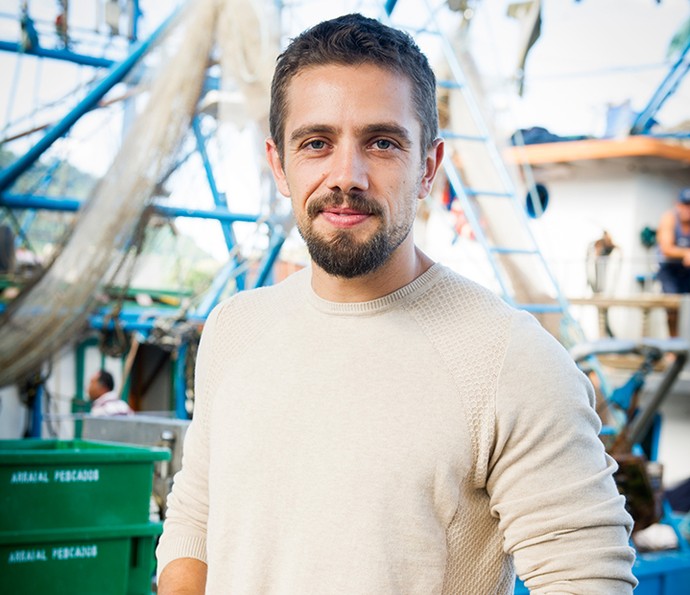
(391, 129)
(308, 130)
(388, 128)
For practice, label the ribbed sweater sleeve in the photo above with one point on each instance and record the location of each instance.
(561, 515)
(184, 533)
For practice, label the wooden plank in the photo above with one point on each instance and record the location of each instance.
(580, 150)
(645, 302)
(652, 300)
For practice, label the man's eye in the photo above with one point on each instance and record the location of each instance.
(383, 144)
(316, 144)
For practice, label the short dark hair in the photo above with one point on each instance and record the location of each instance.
(684, 196)
(355, 39)
(105, 378)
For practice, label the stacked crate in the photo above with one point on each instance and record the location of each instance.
(74, 517)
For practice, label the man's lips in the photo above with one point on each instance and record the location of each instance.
(343, 217)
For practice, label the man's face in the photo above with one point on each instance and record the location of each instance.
(353, 165)
(95, 388)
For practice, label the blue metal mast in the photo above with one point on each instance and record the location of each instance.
(645, 120)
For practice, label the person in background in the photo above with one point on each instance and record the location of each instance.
(673, 241)
(600, 255)
(104, 400)
(377, 423)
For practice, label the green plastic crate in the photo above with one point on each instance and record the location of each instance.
(60, 484)
(97, 561)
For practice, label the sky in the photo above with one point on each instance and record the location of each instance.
(599, 52)
(591, 53)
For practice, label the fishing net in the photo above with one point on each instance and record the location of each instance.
(53, 311)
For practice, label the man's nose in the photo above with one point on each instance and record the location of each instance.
(348, 169)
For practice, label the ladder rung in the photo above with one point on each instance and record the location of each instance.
(450, 135)
(501, 250)
(450, 84)
(475, 192)
(541, 308)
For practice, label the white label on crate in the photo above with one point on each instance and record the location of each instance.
(21, 556)
(75, 475)
(68, 552)
(59, 476)
(75, 551)
(29, 477)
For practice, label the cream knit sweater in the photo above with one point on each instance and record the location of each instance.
(426, 442)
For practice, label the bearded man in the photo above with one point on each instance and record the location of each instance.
(376, 423)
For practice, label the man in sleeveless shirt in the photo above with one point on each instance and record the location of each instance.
(673, 240)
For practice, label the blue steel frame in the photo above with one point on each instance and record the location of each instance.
(117, 73)
(133, 318)
(645, 119)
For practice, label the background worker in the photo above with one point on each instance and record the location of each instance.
(673, 241)
(104, 400)
(377, 423)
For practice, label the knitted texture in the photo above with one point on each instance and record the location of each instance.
(476, 375)
(427, 442)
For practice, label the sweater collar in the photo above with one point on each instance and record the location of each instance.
(421, 283)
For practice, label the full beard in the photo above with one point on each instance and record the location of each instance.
(341, 254)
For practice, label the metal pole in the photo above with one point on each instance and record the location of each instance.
(37, 413)
(181, 383)
(57, 54)
(10, 174)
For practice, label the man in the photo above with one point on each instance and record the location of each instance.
(673, 241)
(105, 401)
(378, 424)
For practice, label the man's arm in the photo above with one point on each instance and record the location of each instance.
(182, 545)
(183, 576)
(550, 481)
(666, 237)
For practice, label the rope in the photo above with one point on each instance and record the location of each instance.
(114, 342)
(13, 94)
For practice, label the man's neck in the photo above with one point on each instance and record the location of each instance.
(403, 267)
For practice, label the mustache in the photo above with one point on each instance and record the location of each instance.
(358, 201)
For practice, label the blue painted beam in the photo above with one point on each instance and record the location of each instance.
(212, 296)
(57, 54)
(219, 213)
(218, 197)
(52, 203)
(645, 119)
(134, 322)
(34, 201)
(10, 174)
(37, 413)
(270, 259)
(390, 5)
(136, 15)
(180, 388)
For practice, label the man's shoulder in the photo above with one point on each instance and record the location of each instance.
(458, 313)
(454, 292)
(263, 300)
(668, 217)
(110, 404)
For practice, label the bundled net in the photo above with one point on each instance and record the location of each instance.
(249, 42)
(53, 311)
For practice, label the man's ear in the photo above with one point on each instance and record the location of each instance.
(276, 164)
(432, 161)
